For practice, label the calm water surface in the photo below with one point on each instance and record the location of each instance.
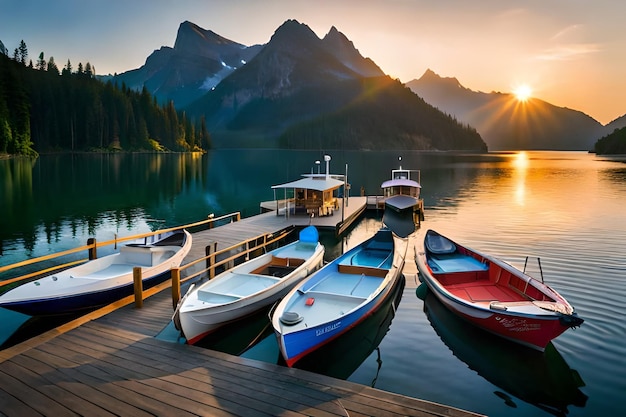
(566, 208)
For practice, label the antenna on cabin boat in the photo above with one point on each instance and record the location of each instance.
(327, 159)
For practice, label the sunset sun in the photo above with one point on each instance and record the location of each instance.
(523, 92)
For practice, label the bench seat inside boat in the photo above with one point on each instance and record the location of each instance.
(455, 263)
(146, 255)
(278, 267)
(235, 287)
(484, 290)
(351, 284)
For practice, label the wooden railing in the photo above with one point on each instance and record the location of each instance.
(212, 254)
(232, 253)
(92, 246)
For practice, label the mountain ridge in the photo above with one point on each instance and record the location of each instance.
(299, 81)
(506, 123)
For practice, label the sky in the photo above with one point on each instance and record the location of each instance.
(571, 53)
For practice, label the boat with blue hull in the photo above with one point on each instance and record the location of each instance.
(100, 281)
(339, 296)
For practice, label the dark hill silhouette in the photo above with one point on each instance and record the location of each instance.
(382, 113)
(506, 123)
(613, 143)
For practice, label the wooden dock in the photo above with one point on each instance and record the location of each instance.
(111, 362)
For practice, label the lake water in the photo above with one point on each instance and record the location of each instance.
(565, 207)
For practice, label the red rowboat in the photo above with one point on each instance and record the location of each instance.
(492, 294)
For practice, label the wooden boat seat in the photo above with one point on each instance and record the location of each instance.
(278, 267)
(362, 270)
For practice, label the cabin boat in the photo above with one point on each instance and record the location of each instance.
(402, 193)
(492, 294)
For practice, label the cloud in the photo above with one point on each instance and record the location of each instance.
(568, 52)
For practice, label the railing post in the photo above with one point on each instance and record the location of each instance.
(175, 287)
(138, 285)
(93, 251)
(238, 216)
(210, 253)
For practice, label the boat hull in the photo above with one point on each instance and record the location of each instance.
(247, 288)
(532, 331)
(338, 297)
(531, 320)
(295, 346)
(101, 281)
(198, 324)
(80, 302)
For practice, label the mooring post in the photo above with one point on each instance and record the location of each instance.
(175, 287)
(210, 253)
(138, 285)
(93, 251)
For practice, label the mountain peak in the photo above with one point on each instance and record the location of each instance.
(343, 48)
(292, 31)
(432, 76)
(193, 38)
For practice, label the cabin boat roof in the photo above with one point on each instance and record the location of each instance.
(402, 177)
(400, 183)
(319, 183)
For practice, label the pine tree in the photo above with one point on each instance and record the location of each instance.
(52, 66)
(41, 63)
(67, 69)
(23, 52)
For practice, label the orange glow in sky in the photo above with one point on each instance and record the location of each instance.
(570, 52)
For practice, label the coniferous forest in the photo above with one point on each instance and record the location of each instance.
(44, 109)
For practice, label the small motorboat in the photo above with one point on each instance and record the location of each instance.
(492, 294)
(339, 296)
(101, 281)
(401, 194)
(247, 288)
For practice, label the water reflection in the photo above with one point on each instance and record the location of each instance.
(56, 199)
(542, 379)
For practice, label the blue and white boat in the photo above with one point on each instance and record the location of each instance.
(339, 296)
(100, 281)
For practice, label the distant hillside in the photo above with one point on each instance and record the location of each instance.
(300, 84)
(616, 124)
(383, 114)
(199, 60)
(506, 123)
(613, 143)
